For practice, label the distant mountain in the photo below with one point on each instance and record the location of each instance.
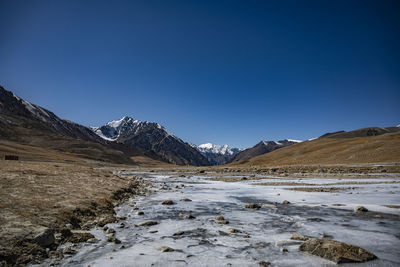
(364, 132)
(29, 124)
(217, 154)
(367, 145)
(261, 148)
(150, 136)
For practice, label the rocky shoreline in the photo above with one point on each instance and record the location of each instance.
(42, 241)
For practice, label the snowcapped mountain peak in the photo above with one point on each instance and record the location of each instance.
(217, 154)
(216, 149)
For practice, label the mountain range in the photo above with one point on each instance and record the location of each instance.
(33, 131)
(261, 148)
(217, 154)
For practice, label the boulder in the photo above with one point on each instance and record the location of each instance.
(148, 223)
(254, 206)
(360, 209)
(336, 251)
(296, 236)
(45, 239)
(285, 202)
(166, 249)
(167, 202)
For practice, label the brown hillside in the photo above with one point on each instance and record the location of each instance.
(372, 149)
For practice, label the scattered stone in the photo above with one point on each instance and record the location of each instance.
(296, 236)
(110, 231)
(187, 217)
(140, 213)
(114, 240)
(233, 230)
(264, 263)
(285, 250)
(122, 225)
(105, 228)
(246, 236)
(68, 250)
(45, 239)
(107, 220)
(166, 249)
(79, 237)
(65, 233)
(338, 205)
(186, 200)
(221, 220)
(179, 233)
(202, 171)
(153, 231)
(223, 233)
(285, 202)
(314, 219)
(167, 202)
(360, 209)
(336, 251)
(252, 206)
(148, 223)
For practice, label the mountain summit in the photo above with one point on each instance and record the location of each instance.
(217, 154)
(150, 136)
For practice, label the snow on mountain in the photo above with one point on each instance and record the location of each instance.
(217, 154)
(217, 149)
(150, 136)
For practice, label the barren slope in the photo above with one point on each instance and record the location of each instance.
(373, 149)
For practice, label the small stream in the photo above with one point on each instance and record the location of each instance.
(261, 235)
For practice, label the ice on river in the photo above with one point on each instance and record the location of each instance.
(200, 242)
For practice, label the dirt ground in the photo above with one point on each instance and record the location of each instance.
(39, 195)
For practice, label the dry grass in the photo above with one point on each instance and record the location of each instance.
(34, 195)
(375, 149)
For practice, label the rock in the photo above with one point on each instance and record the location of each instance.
(285, 250)
(167, 202)
(148, 223)
(166, 249)
(114, 240)
(107, 220)
(223, 233)
(285, 202)
(79, 237)
(187, 217)
(65, 233)
(110, 231)
(252, 206)
(45, 239)
(296, 236)
(221, 220)
(153, 231)
(336, 251)
(68, 250)
(186, 200)
(246, 236)
(314, 219)
(105, 228)
(264, 263)
(233, 230)
(140, 213)
(179, 233)
(360, 209)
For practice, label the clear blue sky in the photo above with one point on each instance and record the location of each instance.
(233, 72)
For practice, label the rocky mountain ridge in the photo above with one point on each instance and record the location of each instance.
(217, 154)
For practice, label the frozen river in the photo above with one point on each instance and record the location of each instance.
(261, 235)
